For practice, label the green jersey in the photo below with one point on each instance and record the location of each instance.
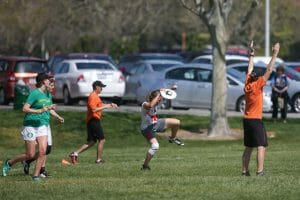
(37, 100)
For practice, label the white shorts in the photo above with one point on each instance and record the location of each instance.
(31, 133)
(49, 136)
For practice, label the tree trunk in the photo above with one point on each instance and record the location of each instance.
(218, 119)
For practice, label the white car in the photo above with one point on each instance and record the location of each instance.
(230, 59)
(74, 78)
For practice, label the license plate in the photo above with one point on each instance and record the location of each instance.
(101, 76)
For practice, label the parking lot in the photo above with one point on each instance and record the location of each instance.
(134, 109)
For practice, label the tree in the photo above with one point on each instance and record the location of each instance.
(215, 15)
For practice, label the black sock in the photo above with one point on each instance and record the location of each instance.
(30, 161)
(42, 170)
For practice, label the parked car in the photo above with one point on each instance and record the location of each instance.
(140, 70)
(128, 62)
(266, 59)
(293, 65)
(74, 78)
(294, 79)
(56, 59)
(193, 83)
(16, 68)
(230, 59)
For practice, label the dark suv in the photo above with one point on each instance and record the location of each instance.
(56, 59)
(14, 69)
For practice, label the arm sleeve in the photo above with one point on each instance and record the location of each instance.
(92, 102)
(31, 98)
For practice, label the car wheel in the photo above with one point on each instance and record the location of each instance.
(241, 104)
(166, 104)
(3, 100)
(67, 97)
(296, 103)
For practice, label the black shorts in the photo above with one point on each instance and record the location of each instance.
(94, 130)
(254, 133)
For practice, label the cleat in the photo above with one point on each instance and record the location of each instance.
(262, 173)
(36, 179)
(5, 168)
(45, 174)
(176, 141)
(100, 161)
(74, 158)
(26, 167)
(145, 168)
(247, 173)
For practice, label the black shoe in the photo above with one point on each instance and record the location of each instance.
(176, 141)
(247, 173)
(262, 173)
(45, 174)
(145, 168)
(26, 167)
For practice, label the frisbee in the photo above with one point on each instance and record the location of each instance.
(168, 94)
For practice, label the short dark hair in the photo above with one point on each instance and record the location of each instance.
(40, 78)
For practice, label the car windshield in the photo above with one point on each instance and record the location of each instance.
(88, 65)
(162, 57)
(236, 74)
(31, 66)
(292, 74)
(160, 67)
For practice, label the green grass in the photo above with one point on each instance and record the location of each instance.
(198, 170)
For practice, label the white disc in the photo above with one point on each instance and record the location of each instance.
(168, 94)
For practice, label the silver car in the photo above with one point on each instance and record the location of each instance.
(140, 70)
(193, 83)
(74, 78)
(293, 77)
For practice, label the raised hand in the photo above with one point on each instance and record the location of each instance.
(275, 48)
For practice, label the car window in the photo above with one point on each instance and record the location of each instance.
(3, 65)
(202, 60)
(57, 69)
(140, 69)
(231, 82)
(31, 66)
(160, 67)
(182, 74)
(204, 75)
(65, 68)
(234, 61)
(90, 65)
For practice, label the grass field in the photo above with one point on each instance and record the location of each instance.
(198, 170)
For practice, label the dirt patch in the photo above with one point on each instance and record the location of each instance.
(237, 134)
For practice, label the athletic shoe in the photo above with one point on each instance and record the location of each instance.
(247, 173)
(145, 168)
(26, 167)
(36, 179)
(5, 168)
(100, 161)
(45, 174)
(262, 173)
(176, 141)
(74, 158)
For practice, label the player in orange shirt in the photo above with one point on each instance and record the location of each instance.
(254, 130)
(94, 129)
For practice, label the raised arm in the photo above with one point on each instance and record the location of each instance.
(275, 51)
(251, 55)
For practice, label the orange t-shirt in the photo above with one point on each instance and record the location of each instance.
(254, 97)
(94, 101)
